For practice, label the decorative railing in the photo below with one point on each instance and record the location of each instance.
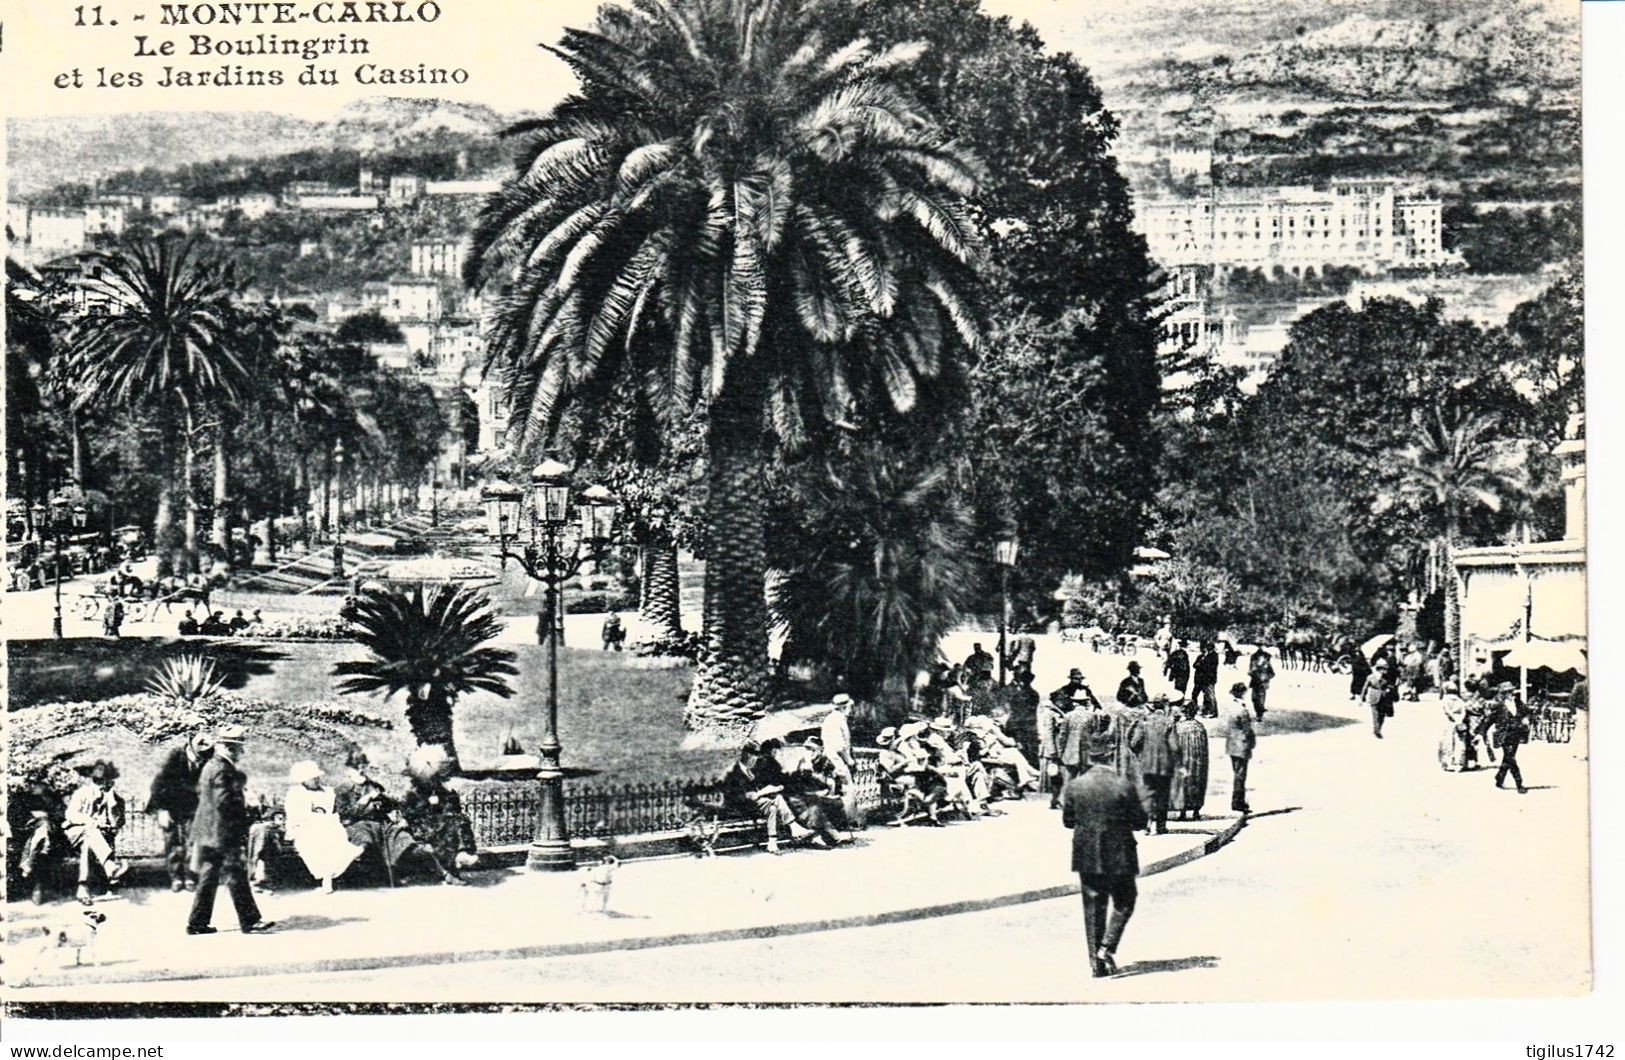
(505, 815)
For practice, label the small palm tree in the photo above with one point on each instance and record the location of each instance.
(884, 571)
(428, 646)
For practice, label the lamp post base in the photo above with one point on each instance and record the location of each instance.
(551, 857)
(550, 851)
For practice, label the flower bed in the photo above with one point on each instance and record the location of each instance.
(301, 627)
(437, 569)
(48, 741)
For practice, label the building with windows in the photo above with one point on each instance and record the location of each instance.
(55, 230)
(438, 257)
(1358, 223)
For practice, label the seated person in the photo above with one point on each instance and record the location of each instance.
(93, 818)
(966, 786)
(215, 626)
(238, 622)
(814, 786)
(309, 823)
(188, 626)
(33, 831)
(1000, 754)
(905, 769)
(755, 784)
(434, 815)
(371, 818)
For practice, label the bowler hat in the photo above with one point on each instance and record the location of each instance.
(1133, 667)
(1238, 689)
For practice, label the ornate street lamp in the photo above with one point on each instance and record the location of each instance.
(565, 544)
(504, 503)
(1004, 553)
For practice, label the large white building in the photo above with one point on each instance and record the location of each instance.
(438, 257)
(1358, 223)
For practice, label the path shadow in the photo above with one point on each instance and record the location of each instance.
(1278, 721)
(313, 922)
(1175, 964)
(1273, 813)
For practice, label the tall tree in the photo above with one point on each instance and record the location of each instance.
(166, 344)
(734, 212)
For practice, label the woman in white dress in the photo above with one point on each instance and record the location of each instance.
(313, 828)
(1453, 744)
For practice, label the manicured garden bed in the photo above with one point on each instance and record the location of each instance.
(617, 717)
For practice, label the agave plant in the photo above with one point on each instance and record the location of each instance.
(185, 680)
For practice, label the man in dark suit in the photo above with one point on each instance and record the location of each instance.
(1131, 691)
(174, 797)
(1157, 762)
(1072, 738)
(1206, 677)
(1177, 668)
(220, 837)
(1104, 812)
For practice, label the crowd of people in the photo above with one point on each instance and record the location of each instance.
(213, 837)
(216, 624)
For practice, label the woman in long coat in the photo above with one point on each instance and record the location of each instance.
(1188, 791)
(1453, 742)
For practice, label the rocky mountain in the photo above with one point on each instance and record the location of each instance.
(47, 151)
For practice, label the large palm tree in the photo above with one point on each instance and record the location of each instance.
(1458, 465)
(167, 344)
(742, 218)
(428, 646)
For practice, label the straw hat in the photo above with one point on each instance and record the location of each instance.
(303, 772)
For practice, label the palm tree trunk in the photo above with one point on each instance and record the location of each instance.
(1452, 594)
(429, 718)
(189, 559)
(220, 529)
(77, 439)
(163, 524)
(731, 684)
(660, 607)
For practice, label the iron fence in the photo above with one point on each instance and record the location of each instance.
(505, 815)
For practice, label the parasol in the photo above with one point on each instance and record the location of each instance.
(781, 724)
(1376, 644)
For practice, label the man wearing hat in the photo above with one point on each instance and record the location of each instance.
(174, 796)
(1380, 692)
(1239, 740)
(94, 815)
(220, 836)
(1131, 690)
(836, 735)
(1072, 749)
(1157, 759)
(1511, 732)
(1047, 723)
(1104, 812)
(1205, 676)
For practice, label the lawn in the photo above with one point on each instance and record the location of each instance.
(621, 720)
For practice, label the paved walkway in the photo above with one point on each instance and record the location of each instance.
(887, 875)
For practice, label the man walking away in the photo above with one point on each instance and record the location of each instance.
(1157, 759)
(1050, 720)
(220, 836)
(836, 737)
(1022, 702)
(1207, 681)
(174, 796)
(1177, 668)
(1239, 741)
(1260, 673)
(1073, 739)
(1103, 812)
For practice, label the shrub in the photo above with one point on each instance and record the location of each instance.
(302, 627)
(598, 603)
(686, 645)
(185, 680)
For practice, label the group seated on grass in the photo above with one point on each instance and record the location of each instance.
(355, 830)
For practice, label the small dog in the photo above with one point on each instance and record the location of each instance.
(596, 885)
(77, 935)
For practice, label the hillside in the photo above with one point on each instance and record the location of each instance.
(45, 152)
